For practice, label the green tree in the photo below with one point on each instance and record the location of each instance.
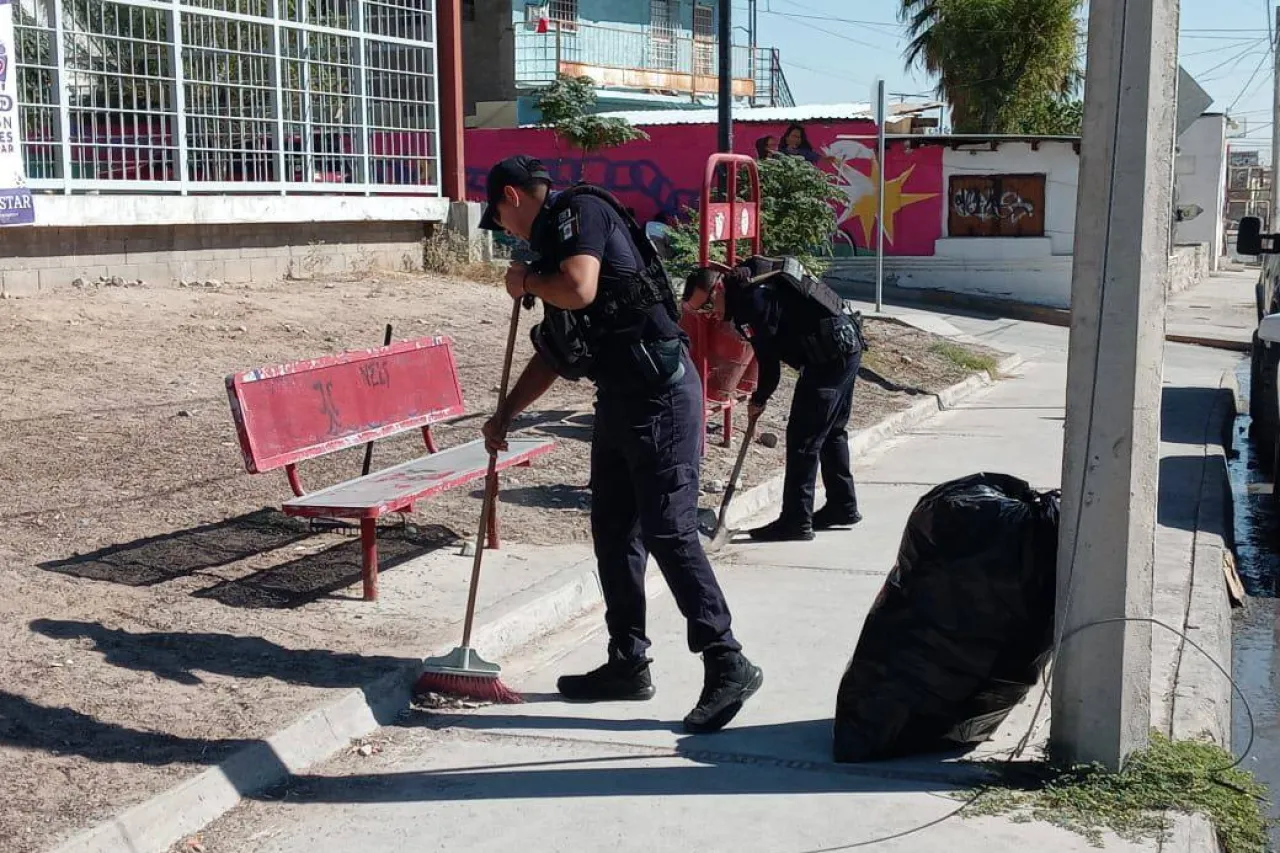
(796, 216)
(998, 62)
(1052, 116)
(566, 107)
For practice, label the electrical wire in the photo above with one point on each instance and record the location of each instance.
(1249, 82)
(979, 794)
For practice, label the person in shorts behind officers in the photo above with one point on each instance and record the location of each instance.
(790, 317)
(610, 316)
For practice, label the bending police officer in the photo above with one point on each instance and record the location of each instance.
(790, 317)
(610, 316)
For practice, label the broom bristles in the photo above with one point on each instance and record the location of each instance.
(481, 688)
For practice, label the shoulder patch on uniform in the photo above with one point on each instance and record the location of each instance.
(567, 224)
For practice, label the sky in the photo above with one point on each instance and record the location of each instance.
(833, 51)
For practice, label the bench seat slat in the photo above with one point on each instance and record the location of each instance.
(394, 488)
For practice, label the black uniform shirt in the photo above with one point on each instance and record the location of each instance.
(590, 226)
(774, 318)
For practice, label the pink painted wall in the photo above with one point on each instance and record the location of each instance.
(663, 175)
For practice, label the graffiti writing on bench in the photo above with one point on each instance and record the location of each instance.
(328, 407)
(375, 374)
(985, 205)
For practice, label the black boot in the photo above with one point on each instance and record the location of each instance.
(616, 681)
(833, 516)
(730, 680)
(783, 530)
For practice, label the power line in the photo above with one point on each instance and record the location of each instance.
(840, 36)
(824, 72)
(1219, 49)
(1249, 82)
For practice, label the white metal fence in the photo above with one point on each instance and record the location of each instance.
(227, 96)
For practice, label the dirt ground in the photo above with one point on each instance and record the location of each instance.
(157, 611)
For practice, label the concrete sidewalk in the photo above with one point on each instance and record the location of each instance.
(1219, 312)
(551, 776)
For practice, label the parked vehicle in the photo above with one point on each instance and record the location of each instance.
(1264, 395)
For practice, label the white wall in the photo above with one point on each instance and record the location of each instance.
(1044, 281)
(1059, 163)
(83, 211)
(1202, 179)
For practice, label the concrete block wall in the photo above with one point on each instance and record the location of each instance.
(1188, 266)
(34, 259)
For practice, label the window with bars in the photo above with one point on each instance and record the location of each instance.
(565, 13)
(662, 41)
(704, 40)
(228, 95)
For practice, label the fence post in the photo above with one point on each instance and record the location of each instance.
(363, 71)
(63, 90)
(179, 91)
(277, 83)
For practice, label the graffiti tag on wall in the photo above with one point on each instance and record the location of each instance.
(996, 206)
(624, 178)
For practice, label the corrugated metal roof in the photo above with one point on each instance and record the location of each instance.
(812, 112)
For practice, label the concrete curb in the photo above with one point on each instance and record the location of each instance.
(1201, 696)
(1209, 341)
(1006, 308)
(1190, 834)
(167, 818)
(755, 500)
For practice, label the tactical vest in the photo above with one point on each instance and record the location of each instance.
(839, 333)
(799, 279)
(651, 286)
(570, 341)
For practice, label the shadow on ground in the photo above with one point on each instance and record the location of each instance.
(63, 731)
(179, 656)
(1197, 417)
(208, 548)
(552, 496)
(717, 768)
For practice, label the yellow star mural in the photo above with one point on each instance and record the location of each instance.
(864, 209)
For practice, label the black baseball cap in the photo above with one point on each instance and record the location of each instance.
(517, 171)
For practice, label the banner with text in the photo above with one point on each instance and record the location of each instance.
(16, 207)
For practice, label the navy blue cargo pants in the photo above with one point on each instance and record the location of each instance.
(645, 459)
(818, 438)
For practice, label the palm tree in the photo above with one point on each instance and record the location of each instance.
(995, 60)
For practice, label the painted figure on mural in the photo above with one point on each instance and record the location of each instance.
(795, 143)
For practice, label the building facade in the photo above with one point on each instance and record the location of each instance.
(223, 139)
(1201, 180)
(643, 54)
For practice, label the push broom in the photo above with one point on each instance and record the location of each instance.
(716, 528)
(463, 673)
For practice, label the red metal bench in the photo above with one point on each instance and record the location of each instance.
(294, 412)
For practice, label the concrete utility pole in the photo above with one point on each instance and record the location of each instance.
(1102, 675)
(1273, 212)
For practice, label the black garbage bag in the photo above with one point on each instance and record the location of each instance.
(962, 627)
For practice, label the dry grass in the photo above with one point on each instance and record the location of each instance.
(448, 253)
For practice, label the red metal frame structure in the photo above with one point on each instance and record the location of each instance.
(715, 344)
(294, 412)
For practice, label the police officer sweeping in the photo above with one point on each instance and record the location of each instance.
(610, 316)
(790, 317)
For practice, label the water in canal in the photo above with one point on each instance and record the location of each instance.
(1256, 662)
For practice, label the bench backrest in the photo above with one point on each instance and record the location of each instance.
(293, 412)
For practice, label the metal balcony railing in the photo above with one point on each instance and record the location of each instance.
(771, 83)
(644, 59)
